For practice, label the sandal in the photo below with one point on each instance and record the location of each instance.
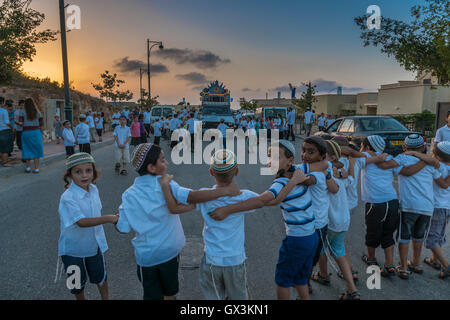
(434, 264)
(445, 273)
(124, 172)
(350, 296)
(403, 274)
(354, 273)
(415, 269)
(318, 278)
(27, 170)
(373, 262)
(36, 171)
(388, 271)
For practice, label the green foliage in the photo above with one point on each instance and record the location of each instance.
(110, 88)
(308, 97)
(247, 105)
(145, 103)
(422, 45)
(18, 36)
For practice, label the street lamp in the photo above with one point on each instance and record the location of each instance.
(68, 111)
(150, 45)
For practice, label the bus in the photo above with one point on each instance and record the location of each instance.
(266, 112)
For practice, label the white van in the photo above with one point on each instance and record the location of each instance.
(158, 112)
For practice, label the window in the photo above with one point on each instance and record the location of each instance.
(381, 124)
(167, 112)
(156, 112)
(345, 125)
(216, 111)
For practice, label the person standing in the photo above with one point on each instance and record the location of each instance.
(32, 141)
(91, 124)
(6, 134)
(68, 138)
(57, 126)
(147, 121)
(82, 135)
(321, 122)
(309, 119)
(99, 125)
(19, 128)
(11, 111)
(291, 122)
(443, 133)
(115, 118)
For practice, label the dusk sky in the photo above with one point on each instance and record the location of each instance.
(253, 47)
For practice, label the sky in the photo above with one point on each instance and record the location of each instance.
(253, 47)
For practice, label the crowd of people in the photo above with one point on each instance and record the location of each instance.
(316, 190)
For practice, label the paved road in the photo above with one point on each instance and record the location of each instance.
(29, 231)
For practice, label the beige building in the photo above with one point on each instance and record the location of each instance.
(335, 104)
(367, 103)
(282, 102)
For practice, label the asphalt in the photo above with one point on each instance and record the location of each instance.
(29, 231)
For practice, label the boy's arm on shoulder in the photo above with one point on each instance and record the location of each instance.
(442, 183)
(196, 196)
(318, 166)
(299, 177)
(387, 164)
(413, 169)
(172, 204)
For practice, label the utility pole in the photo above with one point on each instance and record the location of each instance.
(68, 110)
(140, 83)
(148, 68)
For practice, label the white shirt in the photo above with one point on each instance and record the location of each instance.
(443, 134)
(159, 233)
(117, 116)
(191, 123)
(309, 117)
(321, 121)
(338, 211)
(320, 199)
(222, 127)
(173, 124)
(298, 215)
(69, 139)
(224, 240)
(352, 190)
(416, 191)
(377, 184)
(90, 119)
(4, 119)
(122, 133)
(99, 124)
(291, 118)
(82, 134)
(442, 196)
(76, 204)
(147, 117)
(157, 128)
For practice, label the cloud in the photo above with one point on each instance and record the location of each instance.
(202, 59)
(132, 66)
(248, 90)
(322, 85)
(193, 78)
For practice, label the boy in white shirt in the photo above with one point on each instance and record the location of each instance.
(416, 193)
(122, 137)
(68, 138)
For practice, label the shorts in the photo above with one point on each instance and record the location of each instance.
(94, 267)
(160, 280)
(220, 283)
(122, 155)
(382, 220)
(322, 233)
(335, 241)
(295, 260)
(413, 226)
(439, 222)
(70, 150)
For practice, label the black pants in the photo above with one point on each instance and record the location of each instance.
(322, 233)
(147, 128)
(156, 141)
(291, 132)
(70, 150)
(19, 139)
(85, 147)
(192, 142)
(382, 220)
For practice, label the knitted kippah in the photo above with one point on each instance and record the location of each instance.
(288, 145)
(336, 148)
(444, 146)
(377, 143)
(139, 155)
(414, 141)
(342, 141)
(319, 140)
(78, 158)
(223, 161)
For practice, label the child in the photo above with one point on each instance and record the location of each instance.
(82, 135)
(339, 222)
(144, 133)
(57, 126)
(82, 240)
(222, 127)
(135, 130)
(157, 126)
(416, 193)
(122, 136)
(298, 248)
(68, 138)
(159, 234)
(441, 214)
(99, 125)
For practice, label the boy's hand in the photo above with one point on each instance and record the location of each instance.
(218, 214)
(412, 153)
(114, 218)
(232, 189)
(351, 160)
(383, 156)
(165, 179)
(344, 173)
(299, 176)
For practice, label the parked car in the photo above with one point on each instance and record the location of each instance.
(356, 128)
(161, 111)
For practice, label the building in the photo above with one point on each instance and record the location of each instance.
(367, 103)
(335, 104)
(282, 102)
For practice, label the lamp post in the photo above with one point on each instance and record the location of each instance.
(150, 45)
(68, 111)
(141, 71)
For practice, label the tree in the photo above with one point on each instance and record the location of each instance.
(308, 97)
(421, 46)
(18, 36)
(110, 88)
(247, 105)
(145, 102)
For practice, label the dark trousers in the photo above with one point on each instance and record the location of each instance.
(156, 141)
(19, 139)
(192, 142)
(290, 132)
(147, 128)
(70, 151)
(85, 147)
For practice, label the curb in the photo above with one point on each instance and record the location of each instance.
(46, 160)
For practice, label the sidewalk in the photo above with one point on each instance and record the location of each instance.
(52, 152)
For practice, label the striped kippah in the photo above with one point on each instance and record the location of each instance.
(139, 155)
(78, 158)
(336, 148)
(223, 161)
(444, 146)
(377, 143)
(414, 141)
(288, 145)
